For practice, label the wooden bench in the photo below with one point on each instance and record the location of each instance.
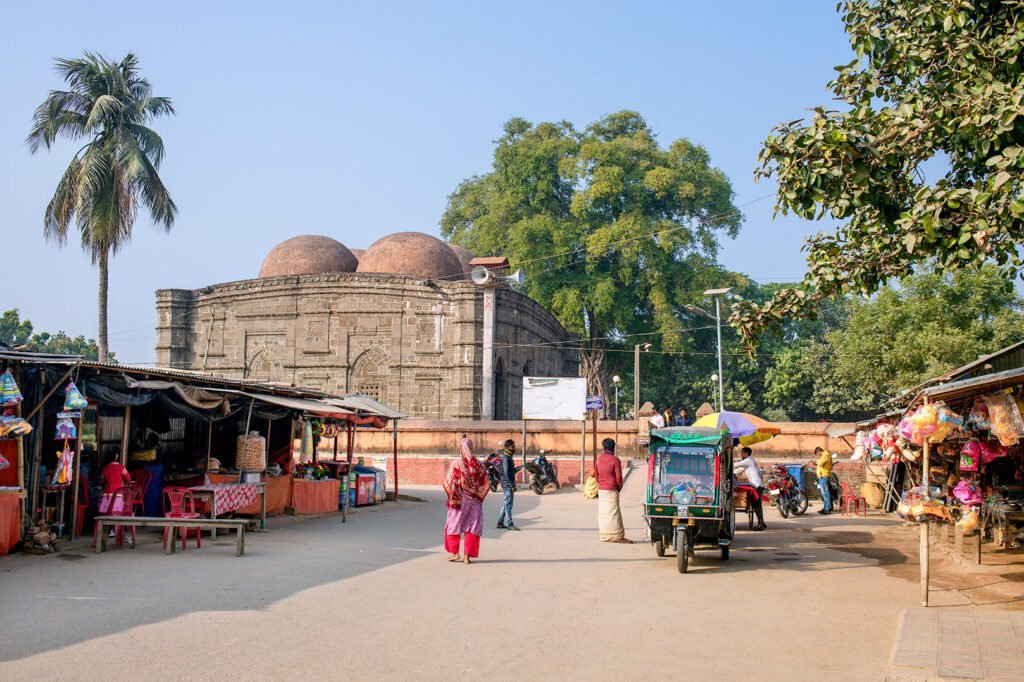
(103, 522)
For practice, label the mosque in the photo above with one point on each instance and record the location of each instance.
(401, 322)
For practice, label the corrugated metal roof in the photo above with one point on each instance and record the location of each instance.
(973, 385)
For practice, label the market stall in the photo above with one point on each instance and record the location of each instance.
(955, 458)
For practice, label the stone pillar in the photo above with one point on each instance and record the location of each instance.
(173, 324)
(487, 399)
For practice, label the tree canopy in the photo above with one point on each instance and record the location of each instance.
(874, 349)
(15, 331)
(933, 85)
(615, 232)
(109, 105)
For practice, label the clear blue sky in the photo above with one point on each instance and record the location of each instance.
(355, 120)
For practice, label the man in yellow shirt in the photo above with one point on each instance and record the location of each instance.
(824, 464)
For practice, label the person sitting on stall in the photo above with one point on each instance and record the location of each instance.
(748, 466)
(114, 475)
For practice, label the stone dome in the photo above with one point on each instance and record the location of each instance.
(411, 253)
(358, 253)
(307, 255)
(464, 255)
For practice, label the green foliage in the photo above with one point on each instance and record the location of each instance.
(109, 105)
(16, 332)
(931, 80)
(615, 232)
(932, 323)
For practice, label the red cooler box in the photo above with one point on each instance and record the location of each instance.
(365, 488)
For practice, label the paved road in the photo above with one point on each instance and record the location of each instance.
(375, 598)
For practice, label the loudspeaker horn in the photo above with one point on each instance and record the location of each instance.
(518, 277)
(480, 275)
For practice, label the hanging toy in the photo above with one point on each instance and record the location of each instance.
(62, 476)
(74, 399)
(10, 394)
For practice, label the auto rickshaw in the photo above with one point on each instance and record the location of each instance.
(690, 491)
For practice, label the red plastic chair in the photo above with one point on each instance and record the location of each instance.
(848, 499)
(130, 496)
(141, 478)
(176, 498)
(84, 501)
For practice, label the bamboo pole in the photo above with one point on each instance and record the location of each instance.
(124, 434)
(209, 445)
(924, 551)
(76, 480)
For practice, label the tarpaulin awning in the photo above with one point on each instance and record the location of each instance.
(357, 402)
(691, 435)
(196, 397)
(300, 404)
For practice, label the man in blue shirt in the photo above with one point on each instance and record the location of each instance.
(507, 476)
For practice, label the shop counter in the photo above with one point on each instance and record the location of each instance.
(315, 497)
(10, 520)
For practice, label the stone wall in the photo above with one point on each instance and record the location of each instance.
(413, 345)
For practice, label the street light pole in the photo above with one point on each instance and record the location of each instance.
(717, 295)
(636, 377)
(616, 380)
(718, 327)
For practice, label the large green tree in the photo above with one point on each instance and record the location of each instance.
(936, 82)
(615, 232)
(15, 331)
(109, 106)
(902, 336)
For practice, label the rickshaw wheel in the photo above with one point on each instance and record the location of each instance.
(659, 547)
(682, 552)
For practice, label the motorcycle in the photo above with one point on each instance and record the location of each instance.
(541, 473)
(785, 492)
(492, 465)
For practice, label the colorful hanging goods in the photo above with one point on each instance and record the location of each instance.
(923, 423)
(14, 427)
(947, 422)
(62, 476)
(978, 416)
(970, 522)
(970, 454)
(10, 394)
(1005, 421)
(919, 505)
(66, 430)
(992, 451)
(967, 492)
(74, 400)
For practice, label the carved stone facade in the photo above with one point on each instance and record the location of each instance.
(413, 345)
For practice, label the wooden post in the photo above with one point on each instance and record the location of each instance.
(76, 480)
(209, 445)
(37, 453)
(394, 438)
(335, 443)
(924, 551)
(124, 433)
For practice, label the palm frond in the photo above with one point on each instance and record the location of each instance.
(61, 209)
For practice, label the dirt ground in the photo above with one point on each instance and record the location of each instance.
(374, 598)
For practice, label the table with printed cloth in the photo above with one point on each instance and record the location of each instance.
(228, 497)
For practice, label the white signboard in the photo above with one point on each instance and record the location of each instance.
(554, 398)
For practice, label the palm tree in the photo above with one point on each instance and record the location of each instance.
(108, 104)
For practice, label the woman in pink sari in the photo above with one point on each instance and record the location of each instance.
(466, 486)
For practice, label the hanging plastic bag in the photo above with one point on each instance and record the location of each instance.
(970, 455)
(590, 488)
(62, 475)
(970, 522)
(992, 451)
(978, 416)
(10, 394)
(74, 400)
(968, 493)
(946, 422)
(1005, 422)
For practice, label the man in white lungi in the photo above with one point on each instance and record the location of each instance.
(609, 484)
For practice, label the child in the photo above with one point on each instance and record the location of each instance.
(114, 476)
